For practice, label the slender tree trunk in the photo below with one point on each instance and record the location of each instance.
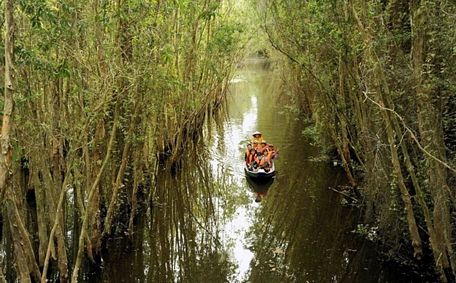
(41, 216)
(343, 148)
(88, 211)
(23, 249)
(137, 169)
(120, 174)
(430, 125)
(21, 267)
(6, 149)
(57, 222)
(51, 194)
(377, 76)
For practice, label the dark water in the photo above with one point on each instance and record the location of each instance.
(206, 227)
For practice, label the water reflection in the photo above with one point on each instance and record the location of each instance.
(179, 238)
(259, 187)
(204, 224)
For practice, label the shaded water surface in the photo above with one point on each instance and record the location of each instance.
(205, 225)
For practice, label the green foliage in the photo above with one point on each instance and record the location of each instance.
(359, 68)
(225, 39)
(311, 132)
(147, 73)
(210, 12)
(369, 232)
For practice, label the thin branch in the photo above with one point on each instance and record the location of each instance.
(56, 223)
(411, 133)
(217, 241)
(344, 194)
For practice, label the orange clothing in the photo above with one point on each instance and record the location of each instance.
(251, 158)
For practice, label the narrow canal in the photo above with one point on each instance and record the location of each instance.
(205, 225)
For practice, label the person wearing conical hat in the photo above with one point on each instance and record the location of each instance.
(257, 137)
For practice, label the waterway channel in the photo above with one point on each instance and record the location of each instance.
(205, 225)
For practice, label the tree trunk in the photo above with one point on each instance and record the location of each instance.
(6, 149)
(42, 218)
(92, 191)
(119, 179)
(23, 249)
(378, 80)
(57, 222)
(428, 98)
(344, 147)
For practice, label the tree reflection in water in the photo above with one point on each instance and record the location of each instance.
(259, 187)
(178, 238)
(301, 232)
(201, 217)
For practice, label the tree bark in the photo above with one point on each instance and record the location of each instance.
(23, 249)
(92, 191)
(405, 195)
(57, 222)
(6, 149)
(428, 96)
(42, 218)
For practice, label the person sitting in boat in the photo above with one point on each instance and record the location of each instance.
(260, 160)
(247, 151)
(263, 148)
(272, 152)
(259, 147)
(257, 137)
(255, 145)
(251, 159)
(269, 154)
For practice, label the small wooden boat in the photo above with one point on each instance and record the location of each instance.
(260, 173)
